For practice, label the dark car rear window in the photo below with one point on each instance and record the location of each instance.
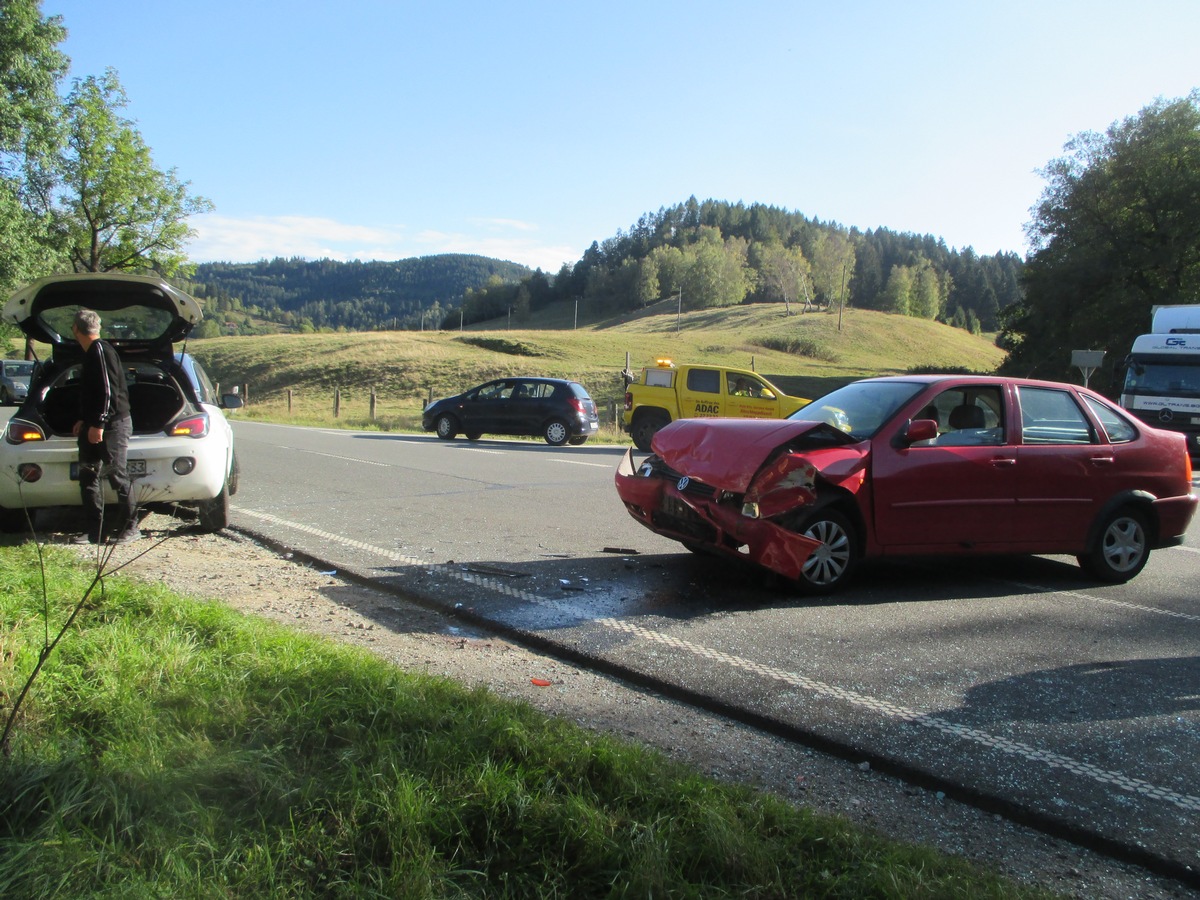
(579, 391)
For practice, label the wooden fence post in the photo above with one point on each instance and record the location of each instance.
(372, 404)
(289, 401)
(337, 402)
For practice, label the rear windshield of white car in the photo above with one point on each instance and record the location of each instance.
(134, 323)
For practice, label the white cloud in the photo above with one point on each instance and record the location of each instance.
(230, 239)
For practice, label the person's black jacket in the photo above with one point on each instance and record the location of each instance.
(103, 395)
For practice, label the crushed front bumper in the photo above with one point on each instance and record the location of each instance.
(701, 518)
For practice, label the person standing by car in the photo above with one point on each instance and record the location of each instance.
(103, 430)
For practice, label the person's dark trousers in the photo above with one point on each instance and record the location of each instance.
(107, 460)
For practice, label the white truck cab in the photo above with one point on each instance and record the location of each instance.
(1162, 375)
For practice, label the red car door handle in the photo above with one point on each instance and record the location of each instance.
(1103, 460)
(1004, 461)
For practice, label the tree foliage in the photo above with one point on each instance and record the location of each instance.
(1116, 232)
(783, 272)
(31, 68)
(78, 187)
(112, 207)
(790, 257)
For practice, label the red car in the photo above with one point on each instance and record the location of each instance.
(919, 465)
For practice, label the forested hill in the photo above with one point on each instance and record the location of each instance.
(708, 254)
(356, 296)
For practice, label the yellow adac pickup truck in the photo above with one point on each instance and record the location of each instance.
(662, 393)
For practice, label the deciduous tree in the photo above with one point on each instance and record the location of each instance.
(112, 208)
(715, 271)
(784, 273)
(832, 255)
(31, 68)
(1116, 232)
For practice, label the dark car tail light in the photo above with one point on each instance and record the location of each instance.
(20, 432)
(193, 426)
(577, 405)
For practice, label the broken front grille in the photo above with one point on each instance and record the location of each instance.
(676, 516)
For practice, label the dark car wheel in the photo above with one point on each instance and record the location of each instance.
(645, 426)
(235, 473)
(214, 514)
(578, 441)
(557, 432)
(446, 427)
(474, 435)
(1121, 549)
(830, 564)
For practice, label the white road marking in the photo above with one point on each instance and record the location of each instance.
(884, 708)
(1124, 604)
(353, 459)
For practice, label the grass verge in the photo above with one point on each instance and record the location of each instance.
(172, 747)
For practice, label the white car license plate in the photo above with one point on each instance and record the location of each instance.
(134, 467)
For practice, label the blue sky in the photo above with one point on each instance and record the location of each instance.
(385, 129)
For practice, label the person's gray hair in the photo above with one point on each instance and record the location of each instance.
(87, 321)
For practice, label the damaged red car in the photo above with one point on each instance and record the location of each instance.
(919, 465)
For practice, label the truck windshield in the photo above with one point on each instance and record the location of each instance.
(1149, 377)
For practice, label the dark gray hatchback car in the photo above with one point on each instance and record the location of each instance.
(14, 380)
(558, 410)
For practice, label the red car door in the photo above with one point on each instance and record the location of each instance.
(957, 491)
(1066, 470)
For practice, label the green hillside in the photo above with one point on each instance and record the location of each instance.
(806, 355)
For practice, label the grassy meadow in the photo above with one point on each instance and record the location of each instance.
(174, 748)
(804, 354)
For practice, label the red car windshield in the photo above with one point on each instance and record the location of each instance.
(859, 409)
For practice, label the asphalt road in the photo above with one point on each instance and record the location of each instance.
(1014, 683)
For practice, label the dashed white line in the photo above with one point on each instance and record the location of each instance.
(884, 708)
(353, 459)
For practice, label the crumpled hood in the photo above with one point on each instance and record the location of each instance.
(726, 453)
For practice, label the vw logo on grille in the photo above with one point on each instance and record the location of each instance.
(1165, 415)
(682, 484)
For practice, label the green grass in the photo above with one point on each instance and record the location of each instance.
(174, 748)
(294, 378)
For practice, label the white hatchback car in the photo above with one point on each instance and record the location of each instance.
(181, 451)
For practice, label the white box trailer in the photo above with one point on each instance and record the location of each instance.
(1175, 319)
(1162, 375)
